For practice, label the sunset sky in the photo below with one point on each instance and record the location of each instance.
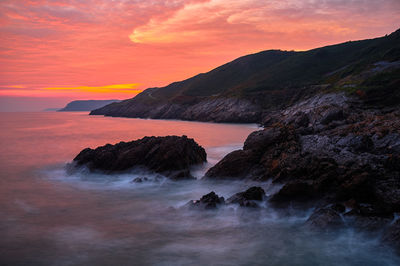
(52, 52)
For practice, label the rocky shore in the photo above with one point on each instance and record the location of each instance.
(332, 153)
(230, 110)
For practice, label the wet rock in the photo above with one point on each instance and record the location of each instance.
(325, 219)
(139, 180)
(256, 160)
(387, 191)
(294, 191)
(368, 217)
(170, 156)
(248, 198)
(328, 150)
(206, 202)
(338, 207)
(391, 236)
(236, 165)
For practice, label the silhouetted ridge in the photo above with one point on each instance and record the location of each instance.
(244, 89)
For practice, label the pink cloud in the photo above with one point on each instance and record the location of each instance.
(97, 42)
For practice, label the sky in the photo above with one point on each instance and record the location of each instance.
(52, 52)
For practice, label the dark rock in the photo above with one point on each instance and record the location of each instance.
(208, 201)
(171, 156)
(302, 120)
(140, 180)
(294, 191)
(236, 165)
(391, 236)
(387, 191)
(260, 140)
(325, 219)
(338, 207)
(248, 198)
(333, 115)
(257, 159)
(368, 217)
(137, 180)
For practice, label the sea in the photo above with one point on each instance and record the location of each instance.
(49, 216)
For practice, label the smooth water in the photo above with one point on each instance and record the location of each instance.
(50, 218)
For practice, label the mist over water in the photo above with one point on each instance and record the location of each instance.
(51, 218)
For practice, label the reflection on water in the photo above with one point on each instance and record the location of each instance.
(49, 218)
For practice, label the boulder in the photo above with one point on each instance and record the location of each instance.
(171, 156)
(248, 198)
(206, 202)
(325, 219)
(236, 165)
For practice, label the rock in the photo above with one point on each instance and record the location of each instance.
(332, 115)
(248, 198)
(137, 180)
(324, 219)
(252, 162)
(338, 207)
(236, 165)
(208, 201)
(170, 156)
(140, 180)
(391, 236)
(329, 150)
(260, 140)
(294, 191)
(368, 217)
(301, 120)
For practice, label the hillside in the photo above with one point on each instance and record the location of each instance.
(86, 105)
(244, 89)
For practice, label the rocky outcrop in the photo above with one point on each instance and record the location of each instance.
(171, 156)
(325, 219)
(206, 202)
(231, 110)
(329, 150)
(249, 198)
(252, 197)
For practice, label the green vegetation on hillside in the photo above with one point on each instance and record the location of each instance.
(274, 78)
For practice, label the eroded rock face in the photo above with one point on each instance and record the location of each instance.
(171, 156)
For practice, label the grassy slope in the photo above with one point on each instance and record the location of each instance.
(274, 78)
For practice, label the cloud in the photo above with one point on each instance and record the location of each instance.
(116, 88)
(219, 19)
(155, 42)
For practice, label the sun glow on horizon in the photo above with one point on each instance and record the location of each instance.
(155, 43)
(115, 88)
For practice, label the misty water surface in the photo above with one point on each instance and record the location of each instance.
(51, 218)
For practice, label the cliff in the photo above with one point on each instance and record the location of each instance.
(248, 88)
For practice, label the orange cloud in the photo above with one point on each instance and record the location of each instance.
(221, 19)
(156, 42)
(117, 88)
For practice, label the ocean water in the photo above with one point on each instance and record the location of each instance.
(48, 217)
